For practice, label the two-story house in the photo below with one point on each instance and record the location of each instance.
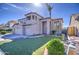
(34, 24)
(9, 24)
(74, 24)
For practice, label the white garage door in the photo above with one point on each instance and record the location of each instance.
(18, 29)
(29, 30)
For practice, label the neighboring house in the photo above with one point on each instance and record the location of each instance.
(2, 26)
(74, 23)
(9, 24)
(34, 24)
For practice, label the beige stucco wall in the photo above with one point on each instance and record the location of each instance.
(56, 26)
(74, 22)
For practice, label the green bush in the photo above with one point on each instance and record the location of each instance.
(3, 32)
(9, 30)
(55, 47)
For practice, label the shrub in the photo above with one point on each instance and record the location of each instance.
(55, 47)
(9, 30)
(3, 32)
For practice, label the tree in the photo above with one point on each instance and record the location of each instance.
(49, 7)
(55, 47)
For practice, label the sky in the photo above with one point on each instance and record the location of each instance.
(15, 11)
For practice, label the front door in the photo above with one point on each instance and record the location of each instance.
(44, 27)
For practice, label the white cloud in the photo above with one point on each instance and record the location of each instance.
(25, 9)
(13, 5)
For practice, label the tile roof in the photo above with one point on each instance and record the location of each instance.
(33, 13)
(15, 24)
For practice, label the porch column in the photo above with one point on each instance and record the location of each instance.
(31, 17)
(13, 30)
(48, 26)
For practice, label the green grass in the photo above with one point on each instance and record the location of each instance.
(40, 51)
(25, 46)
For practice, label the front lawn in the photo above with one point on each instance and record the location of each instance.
(40, 51)
(24, 46)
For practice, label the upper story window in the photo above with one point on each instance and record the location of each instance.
(33, 17)
(28, 17)
(56, 23)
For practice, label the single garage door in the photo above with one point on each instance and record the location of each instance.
(29, 30)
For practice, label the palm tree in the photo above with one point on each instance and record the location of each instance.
(49, 9)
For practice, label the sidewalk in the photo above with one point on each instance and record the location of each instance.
(74, 41)
(1, 52)
(46, 51)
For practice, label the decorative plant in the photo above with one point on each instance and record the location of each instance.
(55, 47)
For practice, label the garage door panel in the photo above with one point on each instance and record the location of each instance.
(29, 30)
